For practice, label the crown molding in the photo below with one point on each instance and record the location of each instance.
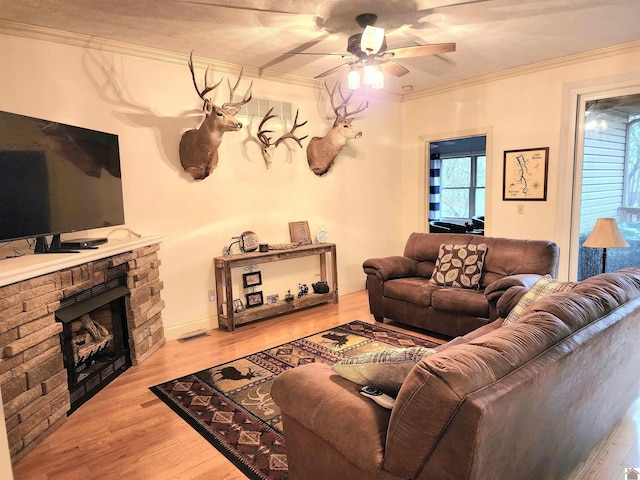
(47, 34)
(630, 47)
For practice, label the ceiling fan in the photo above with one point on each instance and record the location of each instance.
(369, 48)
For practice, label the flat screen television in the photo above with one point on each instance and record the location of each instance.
(55, 179)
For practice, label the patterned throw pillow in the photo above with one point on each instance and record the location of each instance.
(543, 287)
(383, 369)
(459, 265)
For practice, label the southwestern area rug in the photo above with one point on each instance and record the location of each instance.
(230, 404)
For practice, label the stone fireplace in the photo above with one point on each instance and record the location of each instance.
(33, 313)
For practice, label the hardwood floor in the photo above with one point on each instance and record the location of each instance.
(126, 432)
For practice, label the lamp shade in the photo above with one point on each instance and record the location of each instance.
(605, 234)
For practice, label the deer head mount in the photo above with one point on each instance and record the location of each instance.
(199, 146)
(322, 151)
(268, 147)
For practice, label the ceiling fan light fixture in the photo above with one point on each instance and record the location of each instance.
(369, 74)
(378, 79)
(371, 40)
(353, 79)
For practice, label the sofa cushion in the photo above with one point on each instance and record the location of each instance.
(461, 301)
(575, 309)
(452, 343)
(414, 290)
(383, 369)
(459, 265)
(488, 328)
(425, 269)
(521, 341)
(543, 287)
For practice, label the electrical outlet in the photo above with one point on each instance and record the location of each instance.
(520, 209)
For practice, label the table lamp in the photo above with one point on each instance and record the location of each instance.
(605, 235)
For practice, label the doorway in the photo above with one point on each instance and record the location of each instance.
(456, 184)
(606, 180)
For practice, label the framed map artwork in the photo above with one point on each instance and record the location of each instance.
(525, 174)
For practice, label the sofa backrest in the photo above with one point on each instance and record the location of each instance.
(507, 400)
(505, 256)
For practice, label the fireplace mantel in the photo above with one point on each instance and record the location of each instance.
(13, 270)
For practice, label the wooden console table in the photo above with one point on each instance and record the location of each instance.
(224, 290)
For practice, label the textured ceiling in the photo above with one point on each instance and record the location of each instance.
(491, 35)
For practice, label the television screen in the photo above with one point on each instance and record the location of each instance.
(56, 178)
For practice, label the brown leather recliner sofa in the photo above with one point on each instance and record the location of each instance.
(399, 287)
(526, 400)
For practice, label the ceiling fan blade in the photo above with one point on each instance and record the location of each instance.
(393, 68)
(422, 50)
(331, 70)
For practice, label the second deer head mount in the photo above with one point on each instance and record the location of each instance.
(268, 147)
(199, 146)
(322, 151)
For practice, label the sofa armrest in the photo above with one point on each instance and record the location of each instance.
(331, 407)
(509, 299)
(390, 267)
(496, 289)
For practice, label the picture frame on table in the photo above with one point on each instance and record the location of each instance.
(238, 307)
(273, 299)
(249, 242)
(254, 299)
(251, 279)
(300, 233)
(525, 174)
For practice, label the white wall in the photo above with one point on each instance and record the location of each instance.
(525, 110)
(371, 199)
(149, 103)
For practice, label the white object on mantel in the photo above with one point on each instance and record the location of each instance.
(18, 269)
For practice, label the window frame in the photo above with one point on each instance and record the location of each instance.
(472, 188)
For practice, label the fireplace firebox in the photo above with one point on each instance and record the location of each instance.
(94, 338)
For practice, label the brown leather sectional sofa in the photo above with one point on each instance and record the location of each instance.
(527, 400)
(399, 287)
